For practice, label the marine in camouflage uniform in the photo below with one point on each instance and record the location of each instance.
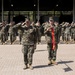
(63, 31)
(42, 27)
(12, 32)
(67, 32)
(52, 48)
(38, 30)
(3, 31)
(28, 41)
(20, 33)
(58, 27)
(6, 30)
(34, 26)
(73, 32)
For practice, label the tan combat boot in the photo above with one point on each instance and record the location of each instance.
(49, 62)
(25, 67)
(53, 62)
(30, 67)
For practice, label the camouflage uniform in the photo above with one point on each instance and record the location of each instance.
(58, 27)
(20, 33)
(73, 32)
(34, 26)
(63, 32)
(28, 41)
(38, 32)
(12, 33)
(67, 32)
(3, 31)
(48, 36)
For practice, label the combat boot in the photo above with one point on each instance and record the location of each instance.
(30, 67)
(25, 67)
(5, 42)
(71, 40)
(2, 43)
(53, 62)
(49, 62)
(66, 42)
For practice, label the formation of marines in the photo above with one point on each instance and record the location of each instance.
(66, 32)
(30, 33)
(11, 30)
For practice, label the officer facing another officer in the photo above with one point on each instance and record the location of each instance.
(51, 35)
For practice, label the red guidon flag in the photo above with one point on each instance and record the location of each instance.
(53, 38)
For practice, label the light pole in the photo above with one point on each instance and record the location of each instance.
(12, 11)
(74, 11)
(38, 17)
(2, 11)
(55, 9)
(34, 12)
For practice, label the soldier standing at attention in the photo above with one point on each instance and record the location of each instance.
(51, 35)
(28, 41)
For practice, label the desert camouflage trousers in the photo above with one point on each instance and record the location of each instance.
(52, 53)
(28, 51)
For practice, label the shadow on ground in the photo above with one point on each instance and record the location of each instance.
(65, 62)
(42, 66)
(40, 50)
(67, 68)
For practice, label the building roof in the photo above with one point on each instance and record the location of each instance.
(31, 5)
